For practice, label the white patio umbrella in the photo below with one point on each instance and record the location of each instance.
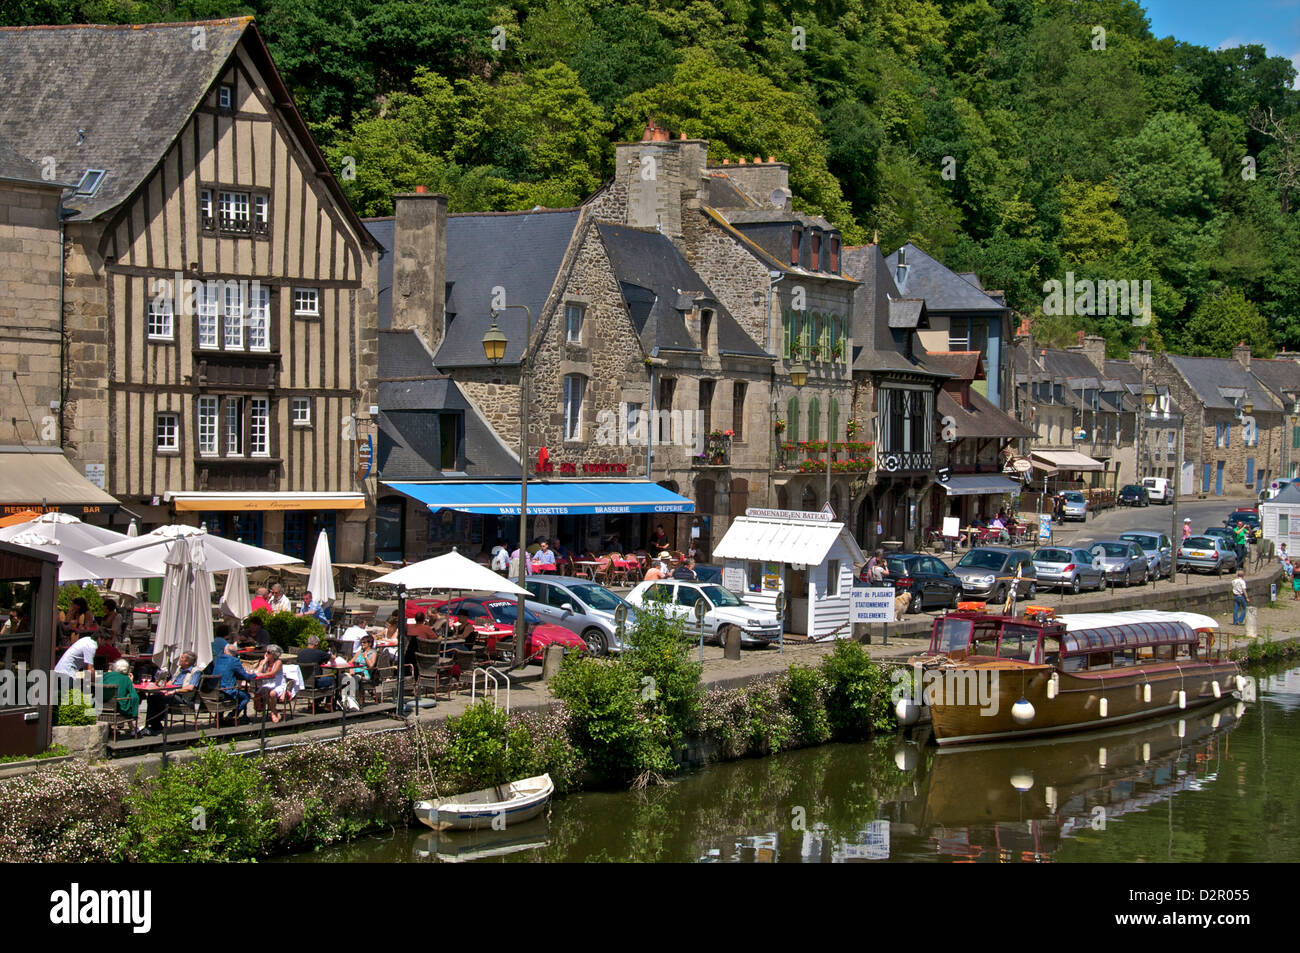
(149, 552)
(235, 600)
(320, 582)
(128, 586)
(450, 571)
(64, 529)
(74, 565)
(185, 615)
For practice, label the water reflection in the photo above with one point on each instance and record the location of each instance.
(1214, 785)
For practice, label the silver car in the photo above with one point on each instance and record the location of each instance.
(1122, 560)
(1076, 506)
(1070, 569)
(1210, 553)
(1160, 554)
(581, 606)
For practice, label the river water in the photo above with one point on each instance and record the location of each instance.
(1216, 785)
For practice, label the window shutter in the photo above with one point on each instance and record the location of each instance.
(792, 419)
(787, 318)
(833, 422)
(814, 419)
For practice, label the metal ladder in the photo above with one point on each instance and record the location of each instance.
(496, 678)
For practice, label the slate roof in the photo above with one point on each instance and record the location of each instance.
(771, 261)
(725, 194)
(16, 167)
(518, 251)
(1207, 376)
(125, 91)
(963, 365)
(747, 216)
(983, 420)
(876, 315)
(656, 282)
(1282, 377)
(907, 313)
(942, 288)
(382, 230)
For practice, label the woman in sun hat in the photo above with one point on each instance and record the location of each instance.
(1187, 528)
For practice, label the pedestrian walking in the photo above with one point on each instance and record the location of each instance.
(1240, 598)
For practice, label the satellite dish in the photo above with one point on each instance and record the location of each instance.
(779, 198)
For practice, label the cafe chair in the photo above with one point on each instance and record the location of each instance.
(432, 675)
(112, 716)
(215, 702)
(183, 706)
(309, 692)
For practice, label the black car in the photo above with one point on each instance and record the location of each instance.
(1134, 495)
(930, 582)
(1248, 519)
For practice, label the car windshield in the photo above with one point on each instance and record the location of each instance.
(1148, 542)
(1132, 488)
(982, 559)
(719, 596)
(1113, 549)
(898, 567)
(505, 612)
(1199, 542)
(598, 597)
(1074, 497)
(1053, 556)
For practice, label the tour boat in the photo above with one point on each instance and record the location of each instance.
(495, 807)
(990, 678)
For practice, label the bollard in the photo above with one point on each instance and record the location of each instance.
(1252, 622)
(731, 644)
(551, 660)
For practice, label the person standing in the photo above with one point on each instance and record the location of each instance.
(1239, 543)
(1240, 598)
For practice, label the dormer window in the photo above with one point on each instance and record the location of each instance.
(90, 182)
(815, 258)
(706, 327)
(796, 238)
(226, 97)
(834, 264)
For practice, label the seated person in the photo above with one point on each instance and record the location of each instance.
(686, 570)
(185, 679)
(272, 687)
(544, 556)
(228, 668)
(351, 638)
(254, 634)
(464, 629)
(262, 600)
(419, 638)
(438, 622)
(363, 662)
(313, 654)
(106, 653)
(112, 621)
(128, 701)
(657, 570)
(312, 607)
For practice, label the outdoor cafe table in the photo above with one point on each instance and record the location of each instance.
(336, 669)
(590, 565)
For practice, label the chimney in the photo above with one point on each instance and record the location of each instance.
(420, 265)
(900, 271)
(659, 178)
(655, 133)
(1093, 348)
(1078, 338)
(1242, 353)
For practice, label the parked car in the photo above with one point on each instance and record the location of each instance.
(723, 609)
(1076, 506)
(581, 606)
(1069, 569)
(1248, 518)
(1224, 534)
(1209, 554)
(1133, 495)
(1122, 560)
(927, 579)
(1159, 489)
(1160, 554)
(497, 612)
(988, 572)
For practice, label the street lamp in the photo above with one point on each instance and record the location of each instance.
(494, 349)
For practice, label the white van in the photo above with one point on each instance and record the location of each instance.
(1157, 489)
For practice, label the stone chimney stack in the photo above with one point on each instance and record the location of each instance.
(660, 177)
(1094, 349)
(1242, 354)
(420, 265)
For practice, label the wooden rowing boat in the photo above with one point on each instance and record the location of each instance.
(495, 807)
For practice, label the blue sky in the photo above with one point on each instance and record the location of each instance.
(1220, 23)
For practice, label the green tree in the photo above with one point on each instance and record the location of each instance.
(1091, 228)
(1222, 321)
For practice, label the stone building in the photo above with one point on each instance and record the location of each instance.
(1282, 378)
(1234, 424)
(218, 290)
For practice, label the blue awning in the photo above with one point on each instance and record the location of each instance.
(547, 499)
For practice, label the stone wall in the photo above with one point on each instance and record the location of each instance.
(87, 431)
(30, 263)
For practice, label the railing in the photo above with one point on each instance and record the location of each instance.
(810, 456)
(717, 453)
(900, 461)
(496, 679)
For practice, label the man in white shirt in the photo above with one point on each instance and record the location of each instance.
(544, 555)
(79, 657)
(1239, 598)
(279, 601)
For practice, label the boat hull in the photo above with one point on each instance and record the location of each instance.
(489, 808)
(1077, 702)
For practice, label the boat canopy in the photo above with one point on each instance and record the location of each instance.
(1127, 635)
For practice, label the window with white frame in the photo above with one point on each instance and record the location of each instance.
(306, 301)
(205, 208)
(302, 411)
(633, 417)
(261, 214)
(259, 319)
(234, 211)
(234, 317)
(167, 430)
(161, 326)
(226, 97)
(208, 426)
(574, 387)
(234, 426)
(259, 434)
(205, 306)
(573, 315)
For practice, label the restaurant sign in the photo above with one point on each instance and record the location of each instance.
(825, 516)
(586, 469)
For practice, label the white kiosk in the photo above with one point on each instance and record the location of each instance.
(808, 556)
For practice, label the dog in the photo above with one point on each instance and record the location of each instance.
(902, 602)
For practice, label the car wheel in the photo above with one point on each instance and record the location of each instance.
(1077, 586)
(1033, 591)
(915, 604)
(723, 633)
(952, 603)
(597, 642)
(1145, 578)
(1000, 596)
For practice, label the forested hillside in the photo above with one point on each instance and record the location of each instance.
(1022, 139)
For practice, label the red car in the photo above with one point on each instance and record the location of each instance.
(492, 614)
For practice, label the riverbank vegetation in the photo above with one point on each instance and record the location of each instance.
(621, 722)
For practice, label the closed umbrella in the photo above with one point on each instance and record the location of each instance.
(74, 565)
(320, 582)
(149, 551)
(132, 587)
(235, 600)
(185, 615)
